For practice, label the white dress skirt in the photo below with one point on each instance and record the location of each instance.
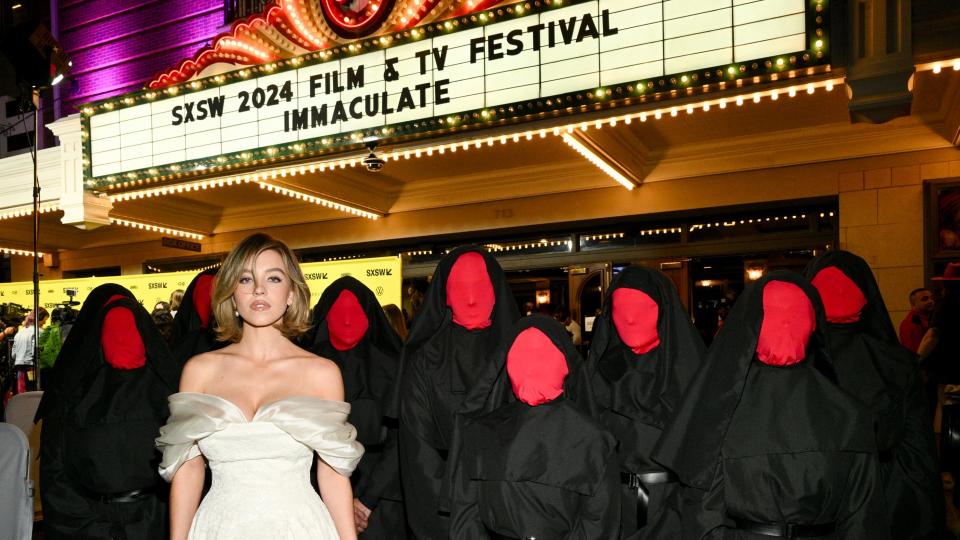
(261, 467)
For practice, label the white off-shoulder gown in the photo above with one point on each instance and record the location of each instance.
(261, 467)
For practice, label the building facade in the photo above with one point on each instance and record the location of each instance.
(709, 174)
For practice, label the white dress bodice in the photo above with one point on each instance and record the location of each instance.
(261, 467)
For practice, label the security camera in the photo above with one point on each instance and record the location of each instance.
(373, 162)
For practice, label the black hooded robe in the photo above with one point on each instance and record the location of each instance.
(871, 365)
(546, 471)
(780, 446)
(638, 395)
(97, 467)
(369, 372)
(190, 336)
(442, 361)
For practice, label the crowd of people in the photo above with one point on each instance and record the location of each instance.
(805, 418)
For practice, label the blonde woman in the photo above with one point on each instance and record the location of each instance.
(258, 411)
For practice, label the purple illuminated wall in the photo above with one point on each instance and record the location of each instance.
(117, 46)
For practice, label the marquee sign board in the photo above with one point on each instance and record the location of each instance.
(522, 60)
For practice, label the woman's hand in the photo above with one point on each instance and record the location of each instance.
(361, 515)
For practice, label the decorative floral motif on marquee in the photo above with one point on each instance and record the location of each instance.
(291, 28)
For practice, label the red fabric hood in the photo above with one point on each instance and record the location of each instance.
(842, 300)
(470, 292)
(122, 345)
(788, 322)
(346, 321)
(635, 316)
(536, 367)
(203, 299)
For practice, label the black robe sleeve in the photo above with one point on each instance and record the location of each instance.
(864, 509)
(67, 513)
(421, 464)
(914, 490)
(383, 479)
(465, 520)
(600, 515)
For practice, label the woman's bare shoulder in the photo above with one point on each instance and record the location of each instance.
(200, 369)
(321, 376)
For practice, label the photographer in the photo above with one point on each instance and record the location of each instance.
(23, 360)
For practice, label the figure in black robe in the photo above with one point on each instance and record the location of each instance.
(101, 413)
(350, 328)
(538, 465)
(767, 443)
(871, 365)
(468, 310)
(193, 331)
(645, 352)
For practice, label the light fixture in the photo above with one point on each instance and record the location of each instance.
(599, 158)
(21, 211)
(543, 297)
(21, 252)
(321, 201)
(155, 228)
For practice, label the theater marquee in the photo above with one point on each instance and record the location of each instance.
(523, 60)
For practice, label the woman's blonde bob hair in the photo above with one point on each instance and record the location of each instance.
(295, 321)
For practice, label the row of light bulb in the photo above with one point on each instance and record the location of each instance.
(155, 228)
(22, 252)
(564, 131)
(27, 211)
(326, 203)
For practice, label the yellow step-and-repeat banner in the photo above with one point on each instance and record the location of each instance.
(381, 274)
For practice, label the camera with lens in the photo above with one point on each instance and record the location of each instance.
(373, 162)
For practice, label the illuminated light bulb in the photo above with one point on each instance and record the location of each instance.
(774, 96)
(792, 92)
(503, 139)
(516, 138)
(543, 133)
(756, 97)
(658, 114)
(643, 117)
(598, 124)
(476, 143)
(956, 65)
(489, 141)
(465, 145)
(673, 111)
(706, 107)
(689, 110)
(583, 126)
(829, 86)
(406, 155)
(627, 120)
(810, 88)
(818, 44)
(528, 135)
(569, 129)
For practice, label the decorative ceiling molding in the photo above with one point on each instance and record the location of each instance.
(289, 28)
